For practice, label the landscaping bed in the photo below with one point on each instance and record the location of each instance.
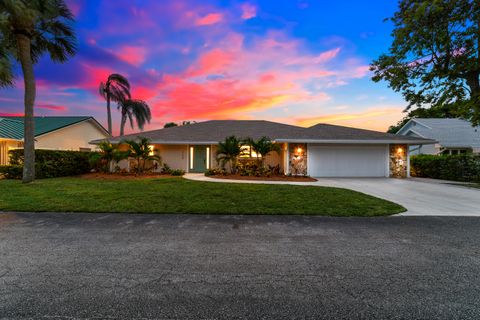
(178, 195)
(125, 176)
(271, 178)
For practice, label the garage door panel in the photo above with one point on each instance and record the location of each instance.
(347, 161)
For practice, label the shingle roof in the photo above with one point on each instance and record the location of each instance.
(13, 126)
(210, 132)
(448, 132)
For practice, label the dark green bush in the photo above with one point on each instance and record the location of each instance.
(177, 172)
(216, 172)
(53, 163)
(11, 171)
(465, 167)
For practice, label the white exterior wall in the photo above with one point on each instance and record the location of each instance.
(175, 156)
(71, 138)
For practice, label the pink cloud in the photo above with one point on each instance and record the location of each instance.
(209, 19)
(132, 55)
(249, 11)
(51, 107)
(6, 114)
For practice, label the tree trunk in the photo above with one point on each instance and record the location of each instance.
(109, 112)
(24, 55)
(122, 123)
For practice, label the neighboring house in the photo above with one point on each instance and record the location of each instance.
(55, 133)
(320, 151)
(454, 136)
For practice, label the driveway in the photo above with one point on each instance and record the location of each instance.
(118, 266)
(421, 197)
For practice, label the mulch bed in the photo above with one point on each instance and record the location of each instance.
(125, 176)
(273, 178)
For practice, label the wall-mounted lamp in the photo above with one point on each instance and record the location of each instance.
(400, 150)
(299, 150)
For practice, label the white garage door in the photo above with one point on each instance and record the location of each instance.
(347, 161)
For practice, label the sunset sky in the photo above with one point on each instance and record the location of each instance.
(294, 61)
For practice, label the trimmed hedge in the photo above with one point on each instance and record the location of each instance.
(49, 164)
(464, 167)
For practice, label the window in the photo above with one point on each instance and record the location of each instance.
(191, 157)
(208, 158)
(247, 152)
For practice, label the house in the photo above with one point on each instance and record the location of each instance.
(55, 133)
(454, 136)
(320, 151)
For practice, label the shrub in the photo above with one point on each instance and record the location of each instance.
(11, 171)
(51, 163)
(215, 172)
(465, 167)
(166, 169)
(177, 172)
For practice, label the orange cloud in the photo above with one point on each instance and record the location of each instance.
(209, 19)
(379, 118)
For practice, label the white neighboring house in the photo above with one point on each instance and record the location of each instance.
(454, 136)
(51, 132)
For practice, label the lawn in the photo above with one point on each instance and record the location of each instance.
(178, 195)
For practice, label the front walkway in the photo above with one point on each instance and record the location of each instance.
(420, 197)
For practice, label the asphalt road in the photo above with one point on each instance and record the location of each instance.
(229, 267)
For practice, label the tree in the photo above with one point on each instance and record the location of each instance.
(140, 150)
(134, 109)
(434, 59)
(170, 125)
(29, 29)
(117, 89)
(228, 151)
(109, 154)
(263, 147)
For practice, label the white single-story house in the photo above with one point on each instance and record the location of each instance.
(322, 150)
(453, 136)
(54, 133)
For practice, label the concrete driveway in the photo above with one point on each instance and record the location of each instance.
(421, 197)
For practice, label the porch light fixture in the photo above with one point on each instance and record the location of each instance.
(400, 150)
(299, 150)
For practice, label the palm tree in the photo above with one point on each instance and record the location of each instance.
(108, 155)
(141, 152)
(28, 29)
(228, 152)
(117, 89)
(131, 109)
(263, 147)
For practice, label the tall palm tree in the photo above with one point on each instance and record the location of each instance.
(117, 89)
(228, 151)
(131, 109)
(28, 29)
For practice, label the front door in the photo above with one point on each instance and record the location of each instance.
(199, 158)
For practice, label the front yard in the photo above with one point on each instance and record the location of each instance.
(177, 195)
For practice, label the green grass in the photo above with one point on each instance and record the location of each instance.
(178, 195)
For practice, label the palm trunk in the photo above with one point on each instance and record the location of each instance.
(24, 55)
(109, 112)
(122, 123)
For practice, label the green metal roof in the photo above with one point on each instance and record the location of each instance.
(12, 127)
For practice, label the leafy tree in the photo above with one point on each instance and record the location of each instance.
(263, 147)
(228, 151)
(434, 59)
(29, 29)
(108, 155)
(134, 109)
(140, 150)
(170, 125)
(116, 88)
